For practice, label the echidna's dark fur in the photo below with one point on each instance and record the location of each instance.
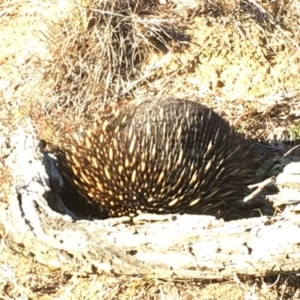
(172, 156)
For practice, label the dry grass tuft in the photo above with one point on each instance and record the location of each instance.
(100, 47)
(84, 57)
(233, 54)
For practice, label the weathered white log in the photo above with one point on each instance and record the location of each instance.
(167, 246)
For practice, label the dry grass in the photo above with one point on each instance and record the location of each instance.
(78, 58)
(63, 63)
(22, 278)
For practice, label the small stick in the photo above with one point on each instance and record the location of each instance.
(260, 186)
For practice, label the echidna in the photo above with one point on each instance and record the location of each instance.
(168, 156)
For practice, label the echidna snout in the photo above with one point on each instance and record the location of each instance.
(168, 156)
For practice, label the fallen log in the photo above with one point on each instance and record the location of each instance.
(164, 246)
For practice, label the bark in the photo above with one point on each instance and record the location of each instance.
(166, 246)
